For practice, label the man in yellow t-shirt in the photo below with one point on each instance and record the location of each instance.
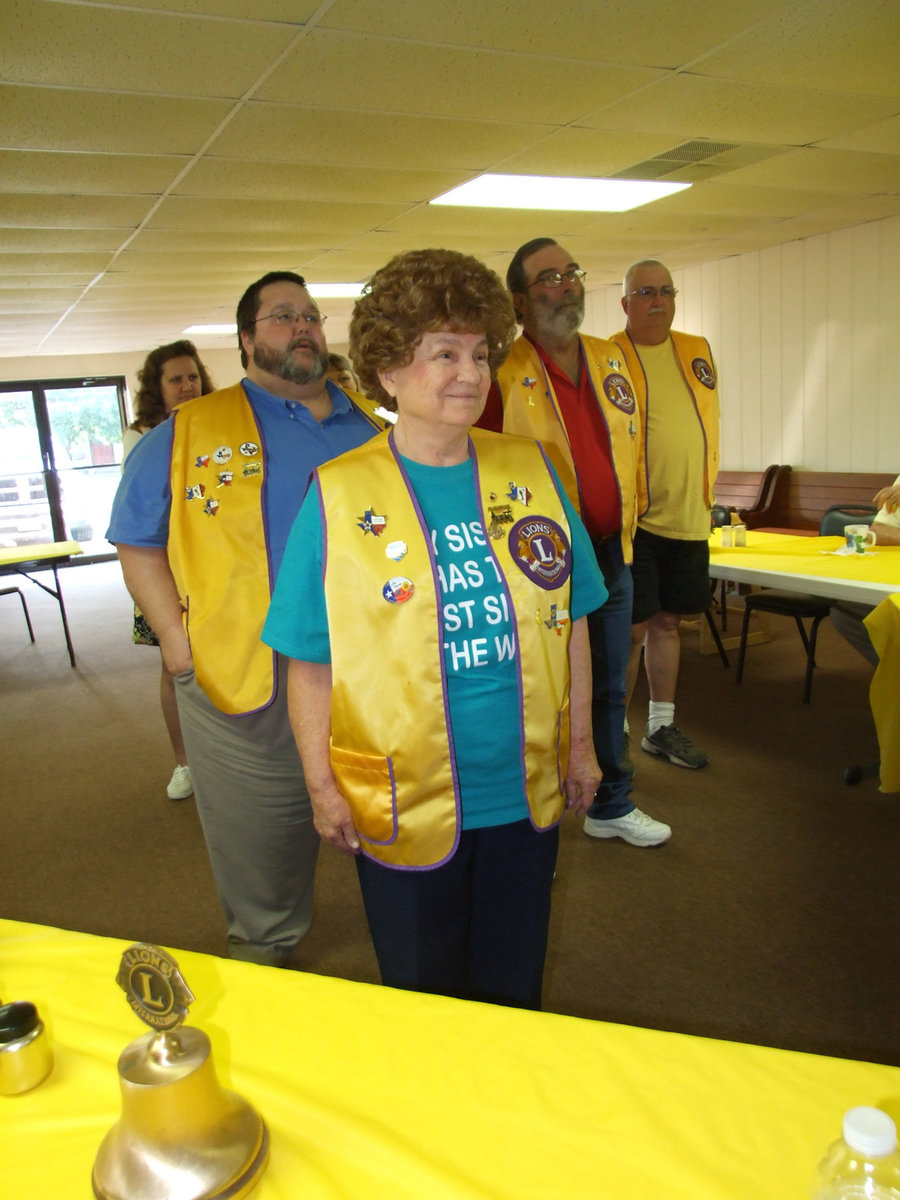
(675, 381)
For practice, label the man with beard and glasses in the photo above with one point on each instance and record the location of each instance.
(200, 522)
(573, 393)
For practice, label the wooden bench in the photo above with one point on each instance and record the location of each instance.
(747, 493)
(799, 498)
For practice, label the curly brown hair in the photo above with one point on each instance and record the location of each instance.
(149, 409)
(424, 291)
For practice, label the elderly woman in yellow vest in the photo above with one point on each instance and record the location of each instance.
(432, 600)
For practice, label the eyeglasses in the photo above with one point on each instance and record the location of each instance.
(553, 279)
(648, 293)
(287, 316)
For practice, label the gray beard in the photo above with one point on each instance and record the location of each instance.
(565, 320)
(284, 366)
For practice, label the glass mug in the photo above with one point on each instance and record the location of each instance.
(859, 538)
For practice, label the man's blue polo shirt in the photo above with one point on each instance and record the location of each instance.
(294, 444)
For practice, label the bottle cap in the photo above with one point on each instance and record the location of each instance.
(870, 1131)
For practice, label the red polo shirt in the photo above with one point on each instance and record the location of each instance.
(600, 502)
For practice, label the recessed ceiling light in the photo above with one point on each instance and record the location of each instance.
(321, 291)
(557, 194)
(335, 291)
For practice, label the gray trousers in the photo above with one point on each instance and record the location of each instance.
(257, 820)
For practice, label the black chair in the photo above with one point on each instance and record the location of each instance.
(8, 592)
(800, 605)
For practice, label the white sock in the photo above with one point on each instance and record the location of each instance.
(661, 713)
(627, 726)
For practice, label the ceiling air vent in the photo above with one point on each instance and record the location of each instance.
(707, 158)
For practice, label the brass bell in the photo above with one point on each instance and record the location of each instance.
(181, 1136)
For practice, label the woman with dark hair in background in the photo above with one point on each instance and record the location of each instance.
(170, 375)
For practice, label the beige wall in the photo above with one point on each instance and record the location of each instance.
(223, 365)
(805, 338)
(807, 344)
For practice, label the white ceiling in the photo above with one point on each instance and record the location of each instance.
(159, 155)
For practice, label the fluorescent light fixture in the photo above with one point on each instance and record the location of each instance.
(555, 193)
(320, 291)
(335, 291)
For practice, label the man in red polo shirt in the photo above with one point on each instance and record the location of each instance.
(574, 395)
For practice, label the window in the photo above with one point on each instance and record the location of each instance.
(60, 455)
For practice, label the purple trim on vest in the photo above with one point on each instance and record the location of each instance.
(436, 584)
(322, 523)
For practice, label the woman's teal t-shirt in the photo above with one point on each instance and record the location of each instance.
(479, 641)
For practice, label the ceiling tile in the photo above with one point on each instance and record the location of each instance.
(594, 153)
(823, 45)
(86, 174)
(690, 106)
(881, 138)
(388, 75)
(72, 212)
(283, 133)
(824, 170)
(289, 12)
(39, 118)
(60, 45)
(336, 219)
(228, 178)
(620, 32)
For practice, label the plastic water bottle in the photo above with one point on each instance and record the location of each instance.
(864, 1164)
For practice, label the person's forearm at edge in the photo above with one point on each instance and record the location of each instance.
(309, 708)
(149, 579)
(584, 775)
(887, 535)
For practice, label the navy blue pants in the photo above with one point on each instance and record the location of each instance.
(475, 927)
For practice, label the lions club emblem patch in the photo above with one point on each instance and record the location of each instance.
(541, 550)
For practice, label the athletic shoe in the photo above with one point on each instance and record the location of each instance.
(671, 743)
(635, 827)
(180, 785)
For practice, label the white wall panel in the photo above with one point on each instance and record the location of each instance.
(806, 337)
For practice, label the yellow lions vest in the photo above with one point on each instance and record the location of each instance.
(531, 409)
(392, 749)
(694, 357)
(217, 547)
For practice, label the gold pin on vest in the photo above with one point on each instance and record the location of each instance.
(181, 1136)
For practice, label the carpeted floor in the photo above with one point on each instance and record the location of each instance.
(772, 916)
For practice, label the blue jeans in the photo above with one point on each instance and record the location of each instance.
(610, 631)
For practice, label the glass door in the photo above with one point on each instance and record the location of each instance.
(60, 450)
(25, 516)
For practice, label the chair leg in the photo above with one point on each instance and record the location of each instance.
(717, 639)
(742, 650)
(811, 657)
(803, 636)
(723, 607)
(9, 592)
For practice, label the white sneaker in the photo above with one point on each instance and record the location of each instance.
(635, 827)
(180, 785)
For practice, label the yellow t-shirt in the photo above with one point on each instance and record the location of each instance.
(676, 451)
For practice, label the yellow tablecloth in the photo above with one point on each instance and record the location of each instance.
(883, 624)
(13, 555)
(802, 557)
(371, 1093)
(808, 556)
